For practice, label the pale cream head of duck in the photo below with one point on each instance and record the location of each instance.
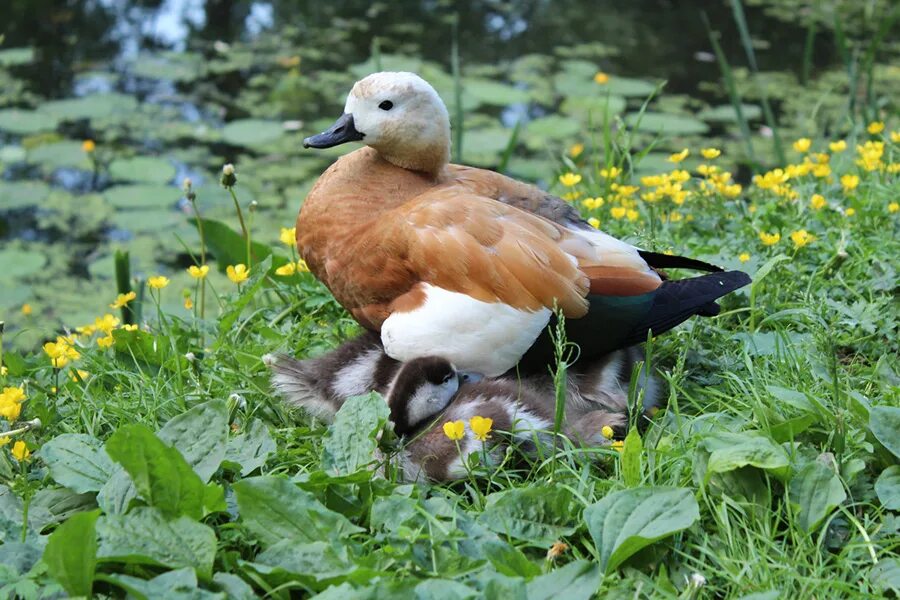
(398, 114)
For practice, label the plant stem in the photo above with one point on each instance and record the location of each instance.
(202, 255)
(240, 214)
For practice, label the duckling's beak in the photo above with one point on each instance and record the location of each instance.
(341, 132)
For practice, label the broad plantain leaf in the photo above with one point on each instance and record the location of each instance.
(78, 462)
(884, 422)
(351, 440)
(624, 522)
(180, 584)
(730, 451)
(539, 515)
(577, 580)
(71, 553)
(816, 490)
(888, 487)
(200, 435)
(251, 448)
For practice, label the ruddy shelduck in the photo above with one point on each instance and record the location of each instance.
(467, 263)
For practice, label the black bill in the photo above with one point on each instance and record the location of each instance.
(341, 132)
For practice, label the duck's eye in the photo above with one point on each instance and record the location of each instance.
(386, 105)
(447, 378)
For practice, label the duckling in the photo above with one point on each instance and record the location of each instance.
(435, 255)
(524, 409)
(321, 385)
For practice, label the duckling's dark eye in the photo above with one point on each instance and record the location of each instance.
(447, 377)
(386, 105)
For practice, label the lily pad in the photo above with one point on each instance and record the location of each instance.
(661, 123)
(170, 66)
(142, 196)
(16, 56)
(628, 87)
(90, 107)
(67, 153)
(553, 127)
(26, 122)
(594, 107)
(19, 194)
(251, 132)
(725, 113)
(494, 93)
(145, 169)
(19, 263)
(12, 154)
(147, 219)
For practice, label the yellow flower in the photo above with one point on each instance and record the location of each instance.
(632, 215)
(131, 327)
(610, 173)
(769, 239)
(158, 282)
(288, 236)
(895, 136)
(893, 207)
(198, 272)
(875, 127)
(61, 352)
(188, 303)
(575, 150)
(850, 212)
(817, 201)
(82, 374)
(744, 257)
(710, 153)
(106, 341)
(556, 550)
(607, 432)
(481, 427)
(5, 440)
(679, 156)
(26, 309)
(802, 145)
(594, 222)
(455, 430)
(106, 323)
(618, 445)
(20, 451)
(849, 182)
(88, 146)
(600, 78)
(237, 273)
(286, 270)
(617, 212)
(838, 146)
(13, 394)
(123, 300)
(802, 238)
(302, 267)
(570, 179)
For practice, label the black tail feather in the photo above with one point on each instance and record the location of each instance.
(658, 260)
(677, 301)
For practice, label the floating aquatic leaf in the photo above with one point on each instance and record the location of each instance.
(144, 169)
(142, 196)
(251, 132)
(67, 153)
(19, 263)
(725, 113)
(11, 57)
(20, 194)
(662, 123)
(26, 122)
(593, 107)
(494, 93)
(90, 107)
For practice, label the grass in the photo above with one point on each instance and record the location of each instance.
(781, 415)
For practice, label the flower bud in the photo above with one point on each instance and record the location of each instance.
(228, 176)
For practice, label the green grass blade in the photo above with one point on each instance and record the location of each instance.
(510, 147)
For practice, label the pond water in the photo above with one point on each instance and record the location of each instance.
(170, 89)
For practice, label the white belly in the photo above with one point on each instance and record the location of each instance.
(481, 337)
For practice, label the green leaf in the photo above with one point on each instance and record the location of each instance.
(160, 473)
(200, 434)
(816, 490)
(319, 560)
(538, 514)
(55, 155)
(10, 57)
(142, 195)
(230, 248)
(71, 553)
(234, 587)
(884, 422)
(116, 494)
(55, 505)
(251, 132)
(350, 442)
(577, 580)
(631, 458)
(274, 509)
(20, 263)
(90, 107)
(254, 284)
(662, 123)
(509, 560)
(885, 576)
(20, 194)
(251, 449)
(443, 589)
(729, 451)
(180, 584)
(888, 487)
(78, 462)
(725, 113)
(624, 522)
(144, 169)
(145, 536)
(26, 122)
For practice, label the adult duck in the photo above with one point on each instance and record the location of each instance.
(468, 263)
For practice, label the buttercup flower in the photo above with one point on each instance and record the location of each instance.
(744, 257)
(131, 327)
(850, 212)
(575, 150)
(610, 173)
(849, 182)
(802, 145)
(123, 300)
(286, 270)
(679, 156)
(570, 179)
(710, 153)
(20, 451)
(302, 267)
(607, 432)
(106, 323)
(158, 282)
(11, 403)
(875, 127)
(632, 215)
(618, 445)
(895, 136)
(106, 341)
(198, 272)
(817, 201)
(769, 239)
(481, 427)
(838, 146)
(26, 309)
(237, 273)
(88, 146)
(455, 430)
(594, 222)
(802, 238)
(617, 212)
(601, 78)
(188, 303)
(75, 374)
(893, 207)
(288, 236)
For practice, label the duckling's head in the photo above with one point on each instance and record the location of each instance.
(398, 114)
(422, 388)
